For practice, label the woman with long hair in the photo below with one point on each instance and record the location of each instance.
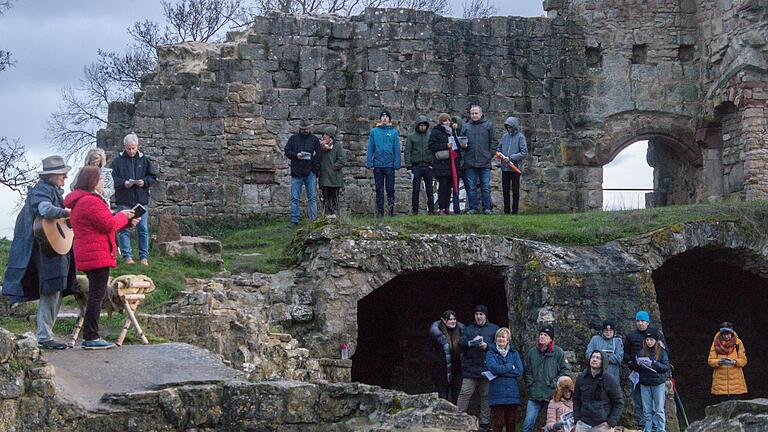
(654, 365)
(98, 158)
(561, 404)
(94, 247)
(443, 351)
(727, 358)
(440, 145)
(506, 366)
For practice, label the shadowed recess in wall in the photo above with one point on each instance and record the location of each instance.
(697, 290)
(394, 320)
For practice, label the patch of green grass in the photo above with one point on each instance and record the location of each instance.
(5, 250)
(588, 228)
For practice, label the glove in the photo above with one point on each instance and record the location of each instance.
(724, 362)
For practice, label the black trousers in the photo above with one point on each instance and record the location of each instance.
(330, 199)
(97, 290)
(508, 177)
(444, 190)
(449, 390)
(422, 173)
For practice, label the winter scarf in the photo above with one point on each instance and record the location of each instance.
(543, 349)
(503, 351)
(724, 347)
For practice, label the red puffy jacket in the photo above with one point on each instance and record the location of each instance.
(94, 227)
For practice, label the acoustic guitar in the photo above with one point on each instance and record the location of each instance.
(55, 236)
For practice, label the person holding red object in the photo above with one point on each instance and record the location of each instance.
(94, 247)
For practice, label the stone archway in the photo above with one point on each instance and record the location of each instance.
(696, 290)
(393, 321)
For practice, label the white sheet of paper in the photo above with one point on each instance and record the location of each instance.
(489, 375)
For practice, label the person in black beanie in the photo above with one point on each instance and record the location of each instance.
(474, 342)
(383, 157)
(543, 365)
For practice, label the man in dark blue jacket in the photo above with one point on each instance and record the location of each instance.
(133, 174)
(474, 342)
(482, 144)
(303, 149)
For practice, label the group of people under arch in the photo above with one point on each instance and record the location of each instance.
(480, 357)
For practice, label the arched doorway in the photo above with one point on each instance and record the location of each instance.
(696, 290)
(394, 319)
(627, 179)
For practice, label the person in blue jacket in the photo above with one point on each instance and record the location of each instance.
(506, 366)
(383, 158)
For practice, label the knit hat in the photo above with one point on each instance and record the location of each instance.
(608, 325)
(652, 333)
(330, 131)
(482, 308)
(643, 316)
(385, 112)
(726, 327)
(548, 330)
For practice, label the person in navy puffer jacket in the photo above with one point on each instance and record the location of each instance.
(383, 158)
(505, 364)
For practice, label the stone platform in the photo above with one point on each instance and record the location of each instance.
(83, 377)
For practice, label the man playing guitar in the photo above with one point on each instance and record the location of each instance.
(33, 273)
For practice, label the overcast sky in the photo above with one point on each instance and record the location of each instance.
(51, 41)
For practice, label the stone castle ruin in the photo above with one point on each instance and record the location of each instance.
(690, 76)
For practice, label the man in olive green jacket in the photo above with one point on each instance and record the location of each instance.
(543, 365)
(418, 160)
(332, 160)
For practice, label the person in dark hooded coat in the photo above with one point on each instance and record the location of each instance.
(31, 273)
(597, 397)
(418, 160)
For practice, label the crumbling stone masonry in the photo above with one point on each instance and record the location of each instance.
(691, 76)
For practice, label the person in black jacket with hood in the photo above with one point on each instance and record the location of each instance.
(597, 397)
(133, 175)
(443, 351)
(303, 149)
(439, 144)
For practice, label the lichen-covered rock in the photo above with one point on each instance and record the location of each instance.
(206, 249)
(739, 415)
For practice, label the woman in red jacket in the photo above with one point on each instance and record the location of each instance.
(94, 247)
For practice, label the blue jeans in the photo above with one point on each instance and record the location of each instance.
(309, 183)
(653, 407)
(142, 231)
(532, 411)
(381, 176)
(484, 174)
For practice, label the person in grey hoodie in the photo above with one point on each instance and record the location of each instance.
(610, 345)
(513, 146)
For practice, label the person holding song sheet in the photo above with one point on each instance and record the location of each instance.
(133, 174)
(504, 368)
(514, 148)
(95, 249)
(32, 273)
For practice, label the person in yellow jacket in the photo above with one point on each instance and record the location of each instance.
(727, 357)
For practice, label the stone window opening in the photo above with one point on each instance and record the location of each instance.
(639, 54)
(686, 53)
(594, 56)
(393, 321)
(628, 179)
(696, 291)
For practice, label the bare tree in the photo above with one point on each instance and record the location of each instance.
(115, 76)
(5, 56)
(16, 173)
(478, 8)
(339, 7)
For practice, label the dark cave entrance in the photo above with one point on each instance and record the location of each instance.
(393, 321)
(697, 290)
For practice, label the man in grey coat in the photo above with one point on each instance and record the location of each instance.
(514, 148)
(481, 146)
(611, 345)
(31, 274)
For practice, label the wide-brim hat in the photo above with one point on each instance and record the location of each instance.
(54, 165)
(305, 124)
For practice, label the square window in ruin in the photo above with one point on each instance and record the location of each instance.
(639, 54)
(594, 57)
(686, 52)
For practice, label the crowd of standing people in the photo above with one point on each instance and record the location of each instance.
(449, 153)
(481, 358)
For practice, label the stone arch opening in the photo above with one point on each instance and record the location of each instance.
(698, 289)
(394, 319)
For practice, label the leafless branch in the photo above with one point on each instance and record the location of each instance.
(478, 8)
(16, 173)
(5, 56)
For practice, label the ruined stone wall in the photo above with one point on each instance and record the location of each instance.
(587, 82)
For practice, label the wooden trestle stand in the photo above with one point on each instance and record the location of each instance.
(124, 293)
